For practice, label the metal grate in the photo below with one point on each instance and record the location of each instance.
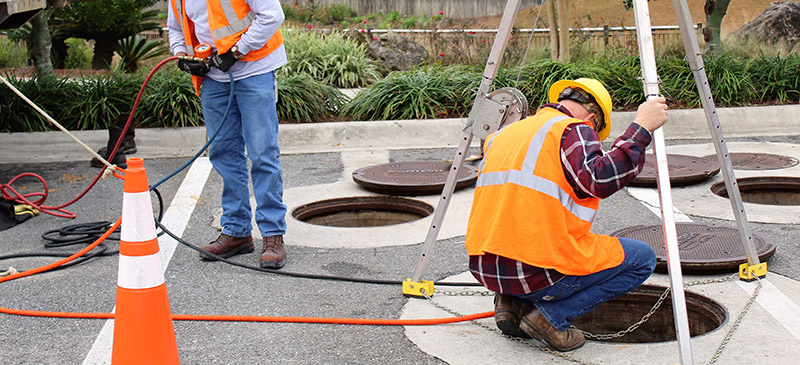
(703, 248)
(412, 177)
(683, 170)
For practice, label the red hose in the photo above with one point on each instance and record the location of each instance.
(58, 210)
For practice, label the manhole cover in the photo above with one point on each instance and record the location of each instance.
(703, 248)
(412, 177)
(683, 170)
(365, 211)
(758, 161)
(771, 190)
(705, 315)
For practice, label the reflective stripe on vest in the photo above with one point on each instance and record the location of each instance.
(525, 177)
(234, 24)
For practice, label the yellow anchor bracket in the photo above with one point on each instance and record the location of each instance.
(412, 289)
(752, 272)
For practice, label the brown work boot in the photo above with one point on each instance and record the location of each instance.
(227, 246)
(508, 310)
(539, 328)
(273, 255)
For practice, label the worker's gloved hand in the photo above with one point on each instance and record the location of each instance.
(196, 68)
(222, 61)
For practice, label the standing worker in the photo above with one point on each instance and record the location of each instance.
(537, 193)
(245, 40)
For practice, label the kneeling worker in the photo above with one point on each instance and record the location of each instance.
(537, 193)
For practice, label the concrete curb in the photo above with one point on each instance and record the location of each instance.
(398, 134)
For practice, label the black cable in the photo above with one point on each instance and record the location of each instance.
(295, 274)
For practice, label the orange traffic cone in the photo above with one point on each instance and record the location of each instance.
(143, 331)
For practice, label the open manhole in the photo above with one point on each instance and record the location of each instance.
(412, 177)
(758, 161)
(705, 315)
(364, 211)
(683, 170)
(703, 249)
(772, 190)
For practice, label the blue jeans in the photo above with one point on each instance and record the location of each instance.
(252, 123)
(575, 295)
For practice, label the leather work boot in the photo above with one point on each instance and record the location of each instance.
(508, 310)
(273, 255)
(539, 328)
(127, 147)
(227, 246)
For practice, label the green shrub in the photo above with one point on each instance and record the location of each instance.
(79, 54)
(101, 99)
(303, 99)
(332, 59)
(426, 92)
(49, 93)
(12, 53)
(169, 101)
(135, 49)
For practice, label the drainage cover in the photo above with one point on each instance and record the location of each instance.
(758, 161)
(703, 248)
(772, 190)
(412, 177)
(705, 315)
(364, 211)
(683, 170)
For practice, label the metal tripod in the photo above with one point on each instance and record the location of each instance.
(487, 115)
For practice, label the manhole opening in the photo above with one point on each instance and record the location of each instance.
(705, 315)
(770, 190)
(367, 211)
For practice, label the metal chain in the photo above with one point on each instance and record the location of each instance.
(523, 341)
(608, 336)
(632, 327)
(736, 323)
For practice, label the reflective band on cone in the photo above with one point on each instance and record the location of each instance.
(143, 330)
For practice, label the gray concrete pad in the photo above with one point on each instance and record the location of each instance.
(318, 160)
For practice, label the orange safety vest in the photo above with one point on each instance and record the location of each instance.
(228, 20)
(525, 209)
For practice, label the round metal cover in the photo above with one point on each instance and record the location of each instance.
(683, 170)
(412, 177)
(703, 248)
(758, 161)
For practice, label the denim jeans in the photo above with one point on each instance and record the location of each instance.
(575, 295)
(252, 123)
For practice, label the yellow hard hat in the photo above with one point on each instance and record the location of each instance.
(593, 88)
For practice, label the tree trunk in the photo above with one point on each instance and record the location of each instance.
(553, 25)
(40, 45)
(563, 31)
(103, 53)
(715, 10)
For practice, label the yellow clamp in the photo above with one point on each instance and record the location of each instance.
(412, 289)
(750, 273)
(21, 209)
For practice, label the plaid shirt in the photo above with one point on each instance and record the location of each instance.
(591, 173)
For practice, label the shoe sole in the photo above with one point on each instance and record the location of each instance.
(507, 323)
(528, 328)
(239, 250)
(272, 264)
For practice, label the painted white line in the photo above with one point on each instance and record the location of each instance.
(175, 219)
(649, 197)
(777, 304)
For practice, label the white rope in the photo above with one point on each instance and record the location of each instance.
(111, 167)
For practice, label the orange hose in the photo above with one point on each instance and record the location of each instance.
(226, 318)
